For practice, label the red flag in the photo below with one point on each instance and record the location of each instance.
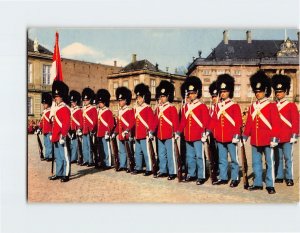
(56, 70)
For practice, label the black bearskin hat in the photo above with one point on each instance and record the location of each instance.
(194, 84)
(225, 82)
(165, 88)
(75, 96)
(103, 96)
(261, 82)
(46, 99)
(123, 93)
(281, 83)
(183, 91)
(87, 93)
(213, 90)
(143, 91)
(59, 88)
(94, 100)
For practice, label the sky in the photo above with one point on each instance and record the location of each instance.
(169, 47)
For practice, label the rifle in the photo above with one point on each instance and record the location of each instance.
(213, 158)
(93, 140)
(79, 150)
(179, 164)
(152, 156)
(115, 152)
(40, 147)
(130, 156)
(52, 162)
(244, 162)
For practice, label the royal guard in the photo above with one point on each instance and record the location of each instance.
(105, 127)
(61, 126)
(262, 125)
(193, 124)
(45, 126)
(89, 125)
(226, 125)
(213, 91)
(289, 116)
(75, 124)
(144, 128)
(125, 123)
(167, 118)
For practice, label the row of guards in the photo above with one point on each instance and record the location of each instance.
(170, 143)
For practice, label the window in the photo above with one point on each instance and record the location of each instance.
(206, 72)
(125, 83)
(152, 86)
(115, 86)
(250, 92)
(237, 72)
(206, 91)
(46, 74)
(29, 106)
(29, 77)
(237, 91)
(135, 82)
(219, 72)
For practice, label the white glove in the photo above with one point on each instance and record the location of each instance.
(106, 136)
(204, 138)
(79, 132)
(62, 140)
(124, 134)
(176, 136)
(235, 140)
(50, 137)
(150, 135)
(293, 140)
(273, 144)
(38, 131)
(113, 135)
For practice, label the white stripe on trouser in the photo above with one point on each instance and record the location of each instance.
(67, 159)
(272, 165)
(173, 155)
(203, 159)
(237, 160)
(292, 159)
(109, 152)
(149, 159)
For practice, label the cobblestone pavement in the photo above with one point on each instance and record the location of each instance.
(89, 185)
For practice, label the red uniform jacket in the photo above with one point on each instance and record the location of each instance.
(167, 117)
(212, 114)
(289, 115)
(61, 122)
(144, 121)
(76, 118)
(105, 121)
(125, 122)
(45, 124)
(194, 120)
(89, 119)
(263, 123)
(227, 121)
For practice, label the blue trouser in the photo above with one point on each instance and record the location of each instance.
(74, 147)
(122, 154)
(167, 160)
(86, 149)
(104, 151)
(257, 152)
(224, 148)
(48, 146)
(284, 150)
(195, 159)
(141, 145)
(62, 159)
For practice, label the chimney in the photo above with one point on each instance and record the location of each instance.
(35, 45)
(225, 37)
(133, 58)
(248, 36)
(115, 63)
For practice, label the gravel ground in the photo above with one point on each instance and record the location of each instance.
(88, 185)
